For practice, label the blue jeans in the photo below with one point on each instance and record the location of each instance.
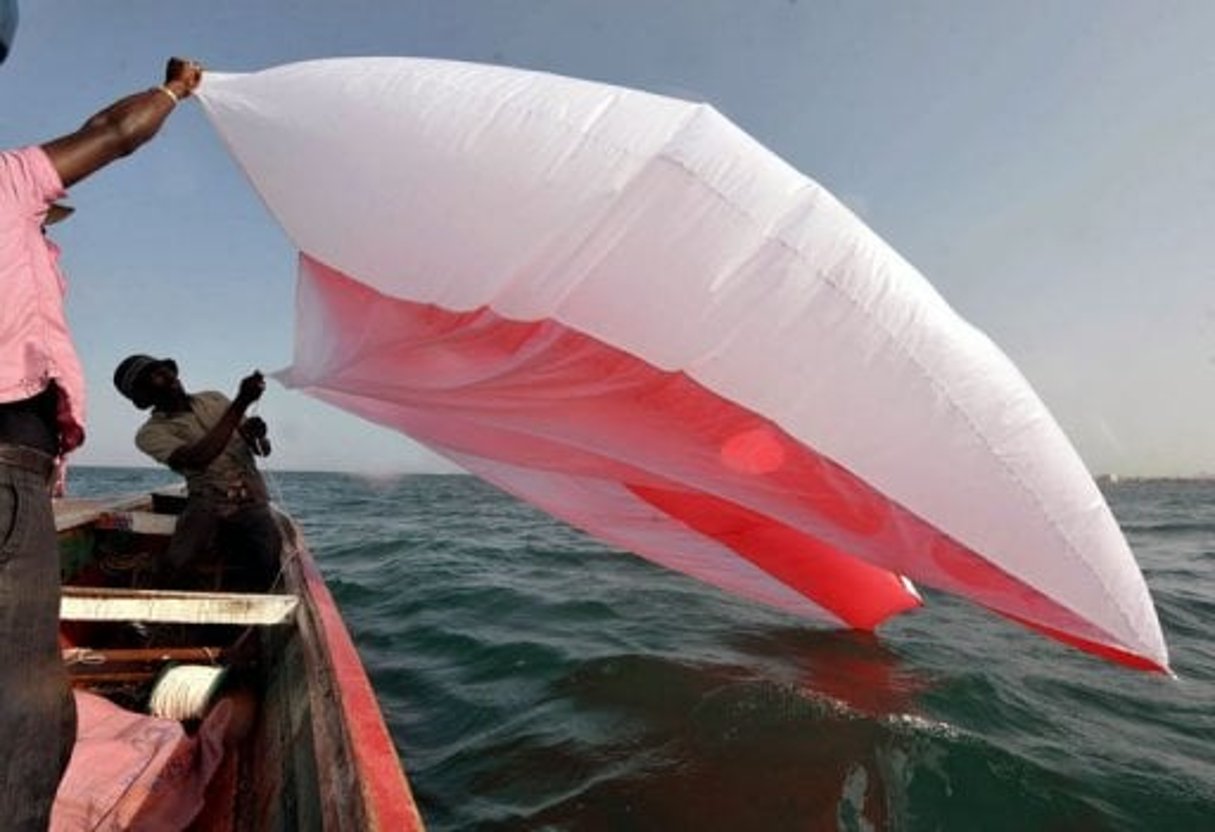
(37, 711)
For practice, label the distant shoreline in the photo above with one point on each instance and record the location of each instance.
(1118, 479)
(1101, 479)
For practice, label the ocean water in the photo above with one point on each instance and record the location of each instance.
(534, 679)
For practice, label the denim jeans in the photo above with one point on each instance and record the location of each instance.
(37, 712)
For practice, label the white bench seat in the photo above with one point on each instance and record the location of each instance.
(173, 607)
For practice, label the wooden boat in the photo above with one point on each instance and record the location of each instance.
(286, 734)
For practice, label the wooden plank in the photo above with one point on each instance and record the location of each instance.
(96, 656)
(93, 604)
(90, 666)
(138, 522)
(86, 679)
(71, 512)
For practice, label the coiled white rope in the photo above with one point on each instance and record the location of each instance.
(184, 691)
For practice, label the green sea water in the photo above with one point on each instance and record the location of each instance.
(534, 679)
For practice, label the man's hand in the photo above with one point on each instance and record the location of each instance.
(183, 76)
(251, 388)
(253, 431)
(254, 427)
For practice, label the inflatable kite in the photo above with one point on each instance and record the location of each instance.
(621, 308)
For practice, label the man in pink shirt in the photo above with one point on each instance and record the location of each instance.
(42, 419)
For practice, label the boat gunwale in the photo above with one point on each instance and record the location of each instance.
(376, 767)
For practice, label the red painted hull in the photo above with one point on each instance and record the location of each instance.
(352, 726)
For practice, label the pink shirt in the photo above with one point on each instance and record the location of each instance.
(35, 346)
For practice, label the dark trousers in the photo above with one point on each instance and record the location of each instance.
(246, 537)
(37, 711)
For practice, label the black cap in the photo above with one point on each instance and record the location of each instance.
(132, 369)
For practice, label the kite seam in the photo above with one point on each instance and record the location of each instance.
(912, 360)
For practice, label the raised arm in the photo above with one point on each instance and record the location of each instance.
(203, 452)
(121, 128)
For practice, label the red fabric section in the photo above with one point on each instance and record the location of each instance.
(813, 568)
(1104, 650)
(536, 394)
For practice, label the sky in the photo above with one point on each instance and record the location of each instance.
(1049, 167)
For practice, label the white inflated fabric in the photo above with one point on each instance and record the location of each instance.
(556, 281)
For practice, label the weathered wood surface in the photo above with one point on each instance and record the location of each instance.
(80, 603)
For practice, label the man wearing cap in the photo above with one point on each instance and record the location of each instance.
(207, 439)
(41, 420)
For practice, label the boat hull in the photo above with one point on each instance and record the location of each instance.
(306, 744)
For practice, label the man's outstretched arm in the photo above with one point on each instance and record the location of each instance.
(124, 126)
(205, 450)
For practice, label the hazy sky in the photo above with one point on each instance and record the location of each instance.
(1049, 166)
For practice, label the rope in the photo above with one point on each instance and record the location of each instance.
(82, 655)
(184, 691)
(115, 562)
(276, 493)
